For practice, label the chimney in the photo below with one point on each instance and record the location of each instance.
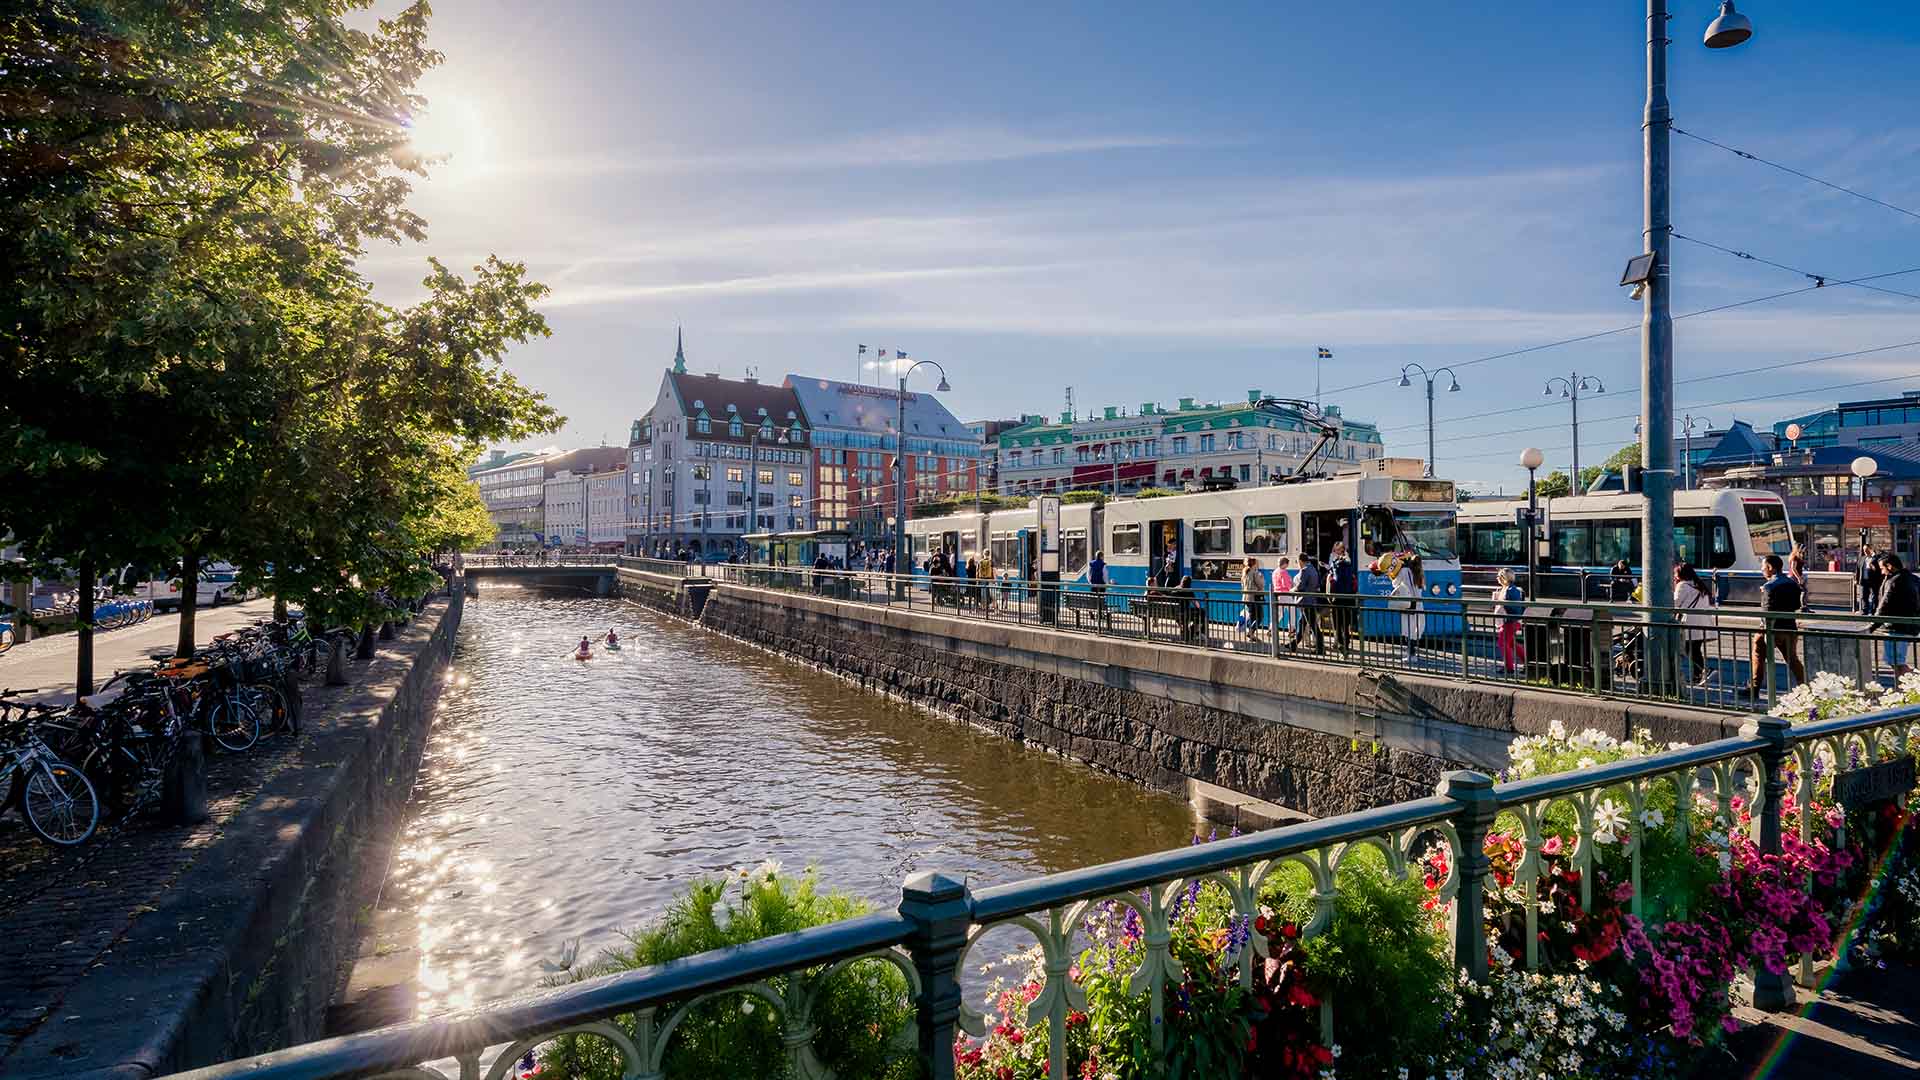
(1253, 396)
(1110, 413)
(1186, 404)
(1146, 408)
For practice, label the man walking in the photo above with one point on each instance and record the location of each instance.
(1869, 578)
(1780, 593)
(1309, 589)
(1899, 599)
(1097, 585)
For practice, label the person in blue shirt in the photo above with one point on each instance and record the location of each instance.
(1342, 581)
(1513, 652)
(1779, 592)
(1097, 584)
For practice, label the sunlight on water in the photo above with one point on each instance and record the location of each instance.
(561, 802)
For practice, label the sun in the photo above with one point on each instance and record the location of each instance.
(449, 136)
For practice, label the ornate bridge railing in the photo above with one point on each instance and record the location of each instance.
(940, 919)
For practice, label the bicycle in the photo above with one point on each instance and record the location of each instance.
(56, 799)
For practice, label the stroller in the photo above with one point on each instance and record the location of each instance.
(1629, 654)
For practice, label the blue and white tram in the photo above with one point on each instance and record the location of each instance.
(1724, 533)
(1211, 536)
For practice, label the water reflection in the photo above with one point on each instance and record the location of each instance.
(561, 801)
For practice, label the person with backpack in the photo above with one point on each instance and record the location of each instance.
(1780, 593)
(1690, 594)
(1253, 591)
(1309, 590)
(1343, 585)
(1899, 598)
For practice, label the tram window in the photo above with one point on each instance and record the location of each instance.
(1495, 545)
(1213, 536)
(1572, 544)
(969, 546)
(1616, 540)
(1768, 524)
(1379, 533)
(1265, 534)
(1722, 544)
(1126, 540)
(1076, 549)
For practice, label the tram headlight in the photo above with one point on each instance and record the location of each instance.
(1452, 589)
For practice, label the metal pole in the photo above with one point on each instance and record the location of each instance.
(1656, 350)
(1429, 427)
(900, 485)
(1533, 536)
(1574, 394)
(706, 504)
(1686, 455)
(753, 485)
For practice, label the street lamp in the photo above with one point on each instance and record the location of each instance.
(1687, 424)
(1570, 388)
(1530, 460)
(1430, 377)
(900, 474)
(1656, 362)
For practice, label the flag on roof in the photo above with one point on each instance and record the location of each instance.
(1326, 353)
(899, 354)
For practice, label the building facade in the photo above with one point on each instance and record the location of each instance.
(1158, 447)
(855, 443)
(1818, 483)
(716, 459)
(516, 492)
(1873, 422)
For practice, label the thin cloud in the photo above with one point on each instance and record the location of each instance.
(580, 295)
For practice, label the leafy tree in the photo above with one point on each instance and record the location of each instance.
(1554, 485)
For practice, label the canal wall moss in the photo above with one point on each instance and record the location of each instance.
(240, 953)
(1238, 729)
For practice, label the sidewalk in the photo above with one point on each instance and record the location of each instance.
(1864, 1026)
(44, 667)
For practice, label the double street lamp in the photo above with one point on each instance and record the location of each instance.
(1570, 387)
(1687, 424)
(900, 566)
(1430, 377)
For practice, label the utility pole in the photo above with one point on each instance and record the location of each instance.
(1570, 388)
(900, 474)
(1454, 389)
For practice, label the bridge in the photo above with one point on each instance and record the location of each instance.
(589, 573)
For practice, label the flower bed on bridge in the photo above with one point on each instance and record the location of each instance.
(1372, 991)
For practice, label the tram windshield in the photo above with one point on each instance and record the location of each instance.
(1431, 533)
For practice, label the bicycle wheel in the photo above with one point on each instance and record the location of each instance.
(233, 723)
(59, 803)
(275, 707)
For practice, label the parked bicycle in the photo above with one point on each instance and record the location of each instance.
(56, 798)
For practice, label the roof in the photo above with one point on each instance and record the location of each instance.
(848, 406)
(588, 459)
(720, 400)
(1738, 445)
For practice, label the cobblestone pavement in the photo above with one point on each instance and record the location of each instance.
(1864, 1026)
(62, 912)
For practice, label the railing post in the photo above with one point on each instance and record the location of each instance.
(1471, 823)
(1772, 991)
(941, 908)
(1273, 621)
(1766, 657)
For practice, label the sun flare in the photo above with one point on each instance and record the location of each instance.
(449, 136)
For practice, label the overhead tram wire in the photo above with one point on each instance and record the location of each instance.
(1904, 377)
(1820, 281)
(1635, 326)
(1796, 172)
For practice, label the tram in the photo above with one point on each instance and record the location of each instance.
(1723, 533)
(1213, 535)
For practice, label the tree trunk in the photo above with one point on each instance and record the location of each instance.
(189, 598)
(365, 651)
(279, 609)
(83, 665)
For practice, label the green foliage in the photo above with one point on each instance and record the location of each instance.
(1154, 493)
(1554, 485)
(1382, 961)
(857, 1015)
(1078, 497)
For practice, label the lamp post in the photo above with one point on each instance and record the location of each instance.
(1570, 388)
(1530, 460)
(1656, 349)
(1687, 424)
(900, 474)
(1430, 377)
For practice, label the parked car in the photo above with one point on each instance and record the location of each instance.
(220, 584)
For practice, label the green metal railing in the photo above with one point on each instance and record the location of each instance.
(939, 919)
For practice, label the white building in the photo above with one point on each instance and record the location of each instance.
(606, 504)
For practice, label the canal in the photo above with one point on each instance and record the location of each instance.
(560, 802)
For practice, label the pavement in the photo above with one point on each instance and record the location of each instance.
(1865, 1025)
(45, 667)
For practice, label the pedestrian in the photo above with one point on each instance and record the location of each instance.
(1409, 581)
(986, 580)
(1343, 585)
(1691, 595)
(1899, 599)
(1869, 578)
(1797, 569)
(1282, 597)
(1097, 585)
(1513, 652)
(1193, 617)
(1169, 570)
(1620, 583)
(1780, 594)
(1309, 590)
(1253, 590)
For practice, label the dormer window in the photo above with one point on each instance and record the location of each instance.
(702, 425)
(734, 427)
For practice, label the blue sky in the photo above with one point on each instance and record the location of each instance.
(1147, 204)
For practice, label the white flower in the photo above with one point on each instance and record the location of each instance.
(769, 869)
(1653, 819)
(746, 1005)
(1557, 730)
(1585, 763)
(1609, 821)
(1725, 859)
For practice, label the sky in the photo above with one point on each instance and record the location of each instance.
(1145, 203)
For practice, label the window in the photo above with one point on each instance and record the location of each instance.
(736, 475)
(700, 497)
(1572, 543)
(766, 476)
(794, 502)
(1206, 443)
(1615, 539)
(1767, 523)
(795, 479)
(1075, 542)
(1013, 460)
(1265, 534)
(764, 498)
(1179, 444)
(736, 498)
(1126, 540)
(1213, 536)
(1493, 544)
(1059, 455)
(702, 425)
(1246, 472)
(1150, 447)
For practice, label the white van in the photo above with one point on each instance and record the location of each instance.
(220, 584)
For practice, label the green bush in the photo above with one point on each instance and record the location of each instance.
(737, 1035)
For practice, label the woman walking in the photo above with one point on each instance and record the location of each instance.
(1512, 652)
(1692, 595)
(1409, 580)
(1253, 590)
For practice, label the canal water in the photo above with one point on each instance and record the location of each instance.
(560, 802)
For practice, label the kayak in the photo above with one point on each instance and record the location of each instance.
(583, 656)
(613, 646)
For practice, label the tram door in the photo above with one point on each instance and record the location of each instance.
(1164, 538)
(1321, 529)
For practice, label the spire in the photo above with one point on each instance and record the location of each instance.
(679, 351)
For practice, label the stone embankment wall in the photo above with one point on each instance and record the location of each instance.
(1307, 737)
(239, 954)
